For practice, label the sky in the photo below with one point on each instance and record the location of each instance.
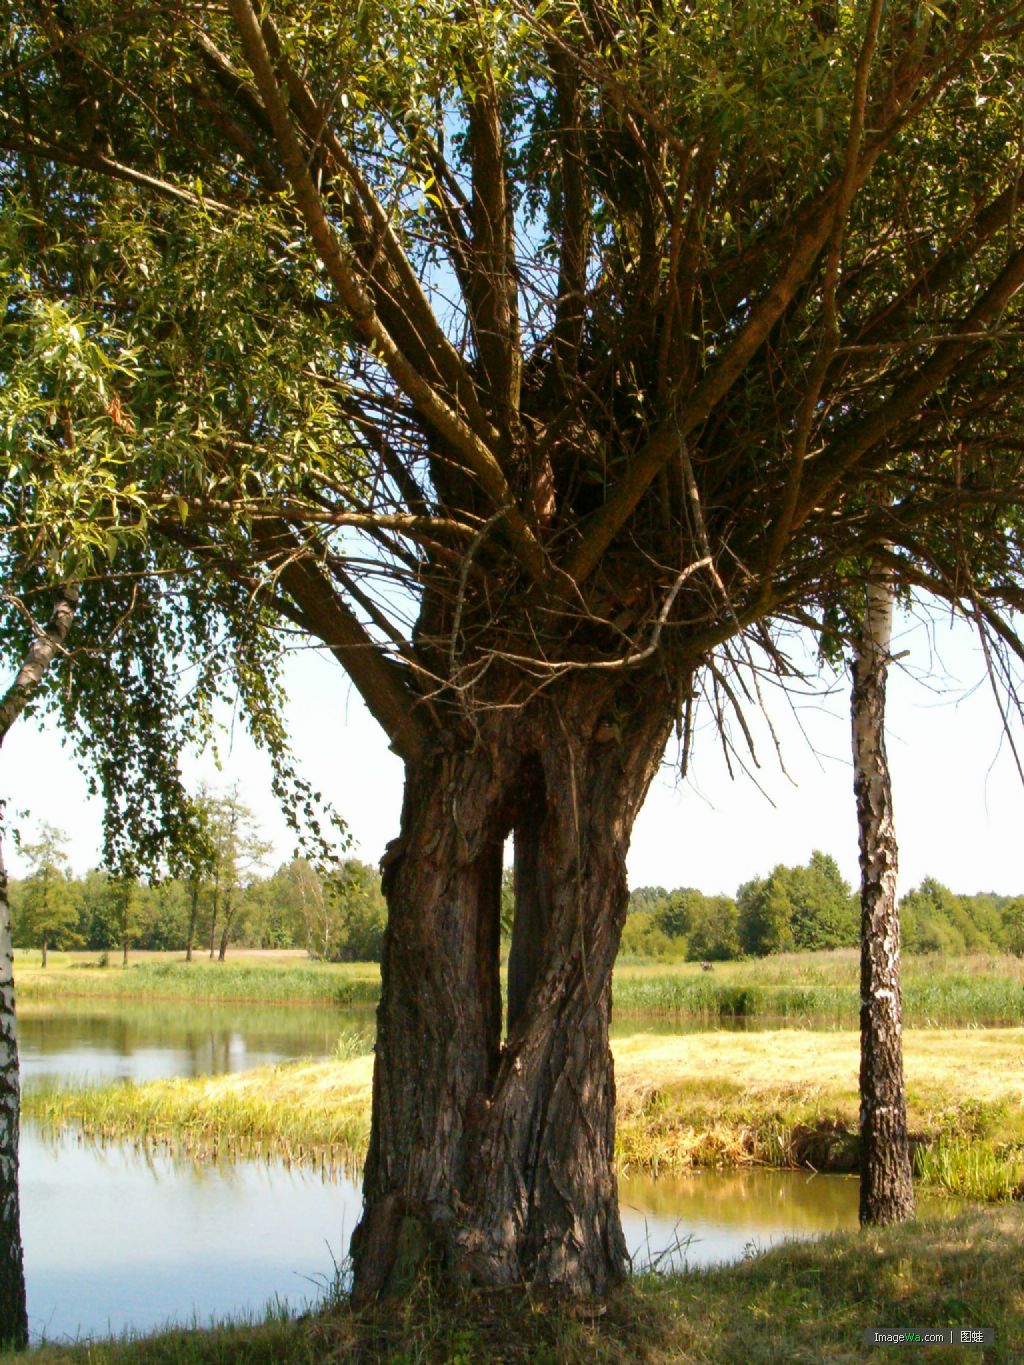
(958, 797)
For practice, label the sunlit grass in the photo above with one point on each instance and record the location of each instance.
(985, 989)
(797, 988)
(782, 1098)
(170, 978)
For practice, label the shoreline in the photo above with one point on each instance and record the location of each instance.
(803, 1301)
(806, 989)
(790, 1102)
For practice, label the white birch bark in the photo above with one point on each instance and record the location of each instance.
(886, 1189)
(13, 1321)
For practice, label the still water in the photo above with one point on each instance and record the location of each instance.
(119, 1238)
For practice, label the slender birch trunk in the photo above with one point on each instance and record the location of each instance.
(13, 1320)
(886, 1188)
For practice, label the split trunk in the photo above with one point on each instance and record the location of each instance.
(492, 1148)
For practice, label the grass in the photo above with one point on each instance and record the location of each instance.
(780, 1098)
(169, 978)
(800, 1304)
(983, 989)
(298, 1111)
(800, 988)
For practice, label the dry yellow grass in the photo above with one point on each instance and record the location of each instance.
(984, 1065)
(709, 1099)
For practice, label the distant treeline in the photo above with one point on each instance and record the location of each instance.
(803, 908)
(337, 916)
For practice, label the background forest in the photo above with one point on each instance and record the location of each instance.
(338, 913)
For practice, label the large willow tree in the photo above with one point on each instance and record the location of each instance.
(538, 360)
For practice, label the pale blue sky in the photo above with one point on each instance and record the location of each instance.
(959, 801)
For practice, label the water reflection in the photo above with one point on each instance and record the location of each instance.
(705, 1218)
(120, 1237)
(88, 1041)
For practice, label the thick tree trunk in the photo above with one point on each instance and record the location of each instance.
(13, 1319)
(886, 1187)
(493, 1159)
(43, 962)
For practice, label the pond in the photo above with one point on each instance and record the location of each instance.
(95, 1041)
(91, 1041)
(118, 1238)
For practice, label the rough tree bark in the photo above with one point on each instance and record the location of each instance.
(493, 1159)
(886, 1187)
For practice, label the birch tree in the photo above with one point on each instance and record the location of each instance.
(44, 646)
(886, 1187)
(541, 363)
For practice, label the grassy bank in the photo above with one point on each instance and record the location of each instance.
(820, 988)
(809, 1302)
(937, 992)
(288, 982)
(781, 1098)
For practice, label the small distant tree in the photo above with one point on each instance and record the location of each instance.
(676, 911)
(164, 915)
(128, 910)
(824, 912)
(193, 858)
(641, 937)
(361, 912)
(647, 898)
(238, 851)
(1013, 926)
(265, 919)
(50, 907)
(929, 918)
(311, 905)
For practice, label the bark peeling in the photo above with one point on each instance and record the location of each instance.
(886, 1187)
(13, 1316)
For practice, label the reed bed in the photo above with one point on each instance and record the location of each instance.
(819, 989)
(318, 983)
(986, 990)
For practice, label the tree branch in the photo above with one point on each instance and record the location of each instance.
(46, 645)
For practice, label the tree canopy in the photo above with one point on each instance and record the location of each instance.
(484, 345)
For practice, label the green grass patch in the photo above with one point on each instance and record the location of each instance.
(818, 989)
(298, 1111)
(800, 1304)
(984, 989)
(326, 983)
